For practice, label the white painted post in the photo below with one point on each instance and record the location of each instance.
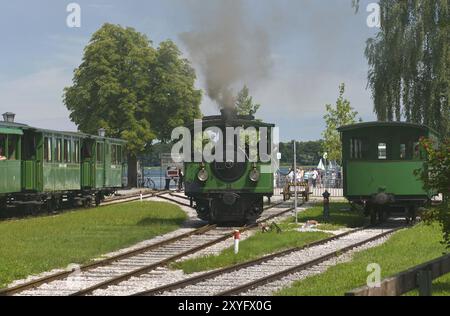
(295, 183)
(237, 237)
(141, 197)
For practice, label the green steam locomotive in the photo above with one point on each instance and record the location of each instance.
(231, 191)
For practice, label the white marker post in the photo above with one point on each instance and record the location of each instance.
(295, 182)
(237, 238)
(141, 197)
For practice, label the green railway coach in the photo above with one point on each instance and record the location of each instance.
(42, 169)
(379, 164)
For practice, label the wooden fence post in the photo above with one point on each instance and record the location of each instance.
(425, 282)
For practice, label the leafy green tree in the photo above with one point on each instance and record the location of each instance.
(409, 63)
(175, 101)
(340, 115)
(308, 153)
(132, 90)
(435, 176)
(244, 103)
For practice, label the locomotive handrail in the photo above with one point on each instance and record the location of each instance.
(420, 277)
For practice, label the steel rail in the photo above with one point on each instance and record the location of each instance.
(164, 262)
(279, 275)
(216, 273)
(100, 263)
(64, 274)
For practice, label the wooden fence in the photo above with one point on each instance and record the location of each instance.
(420, 277)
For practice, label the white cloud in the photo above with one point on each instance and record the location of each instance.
(37, 99)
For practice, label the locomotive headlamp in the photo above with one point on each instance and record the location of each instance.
(203, 174)
(255, 175)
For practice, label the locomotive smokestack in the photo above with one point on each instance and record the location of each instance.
(229, 114)
(9, 117)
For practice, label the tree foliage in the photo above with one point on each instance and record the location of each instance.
(134, 91)
(340, 115)
(409, 63)
(244, 103)
(308, 153)
(436, 177)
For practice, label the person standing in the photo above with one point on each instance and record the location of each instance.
(167, 188)
(314, 178)
(180, 179)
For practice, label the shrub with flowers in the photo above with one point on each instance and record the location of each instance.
(436, 177)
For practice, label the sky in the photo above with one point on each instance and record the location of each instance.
(314, 46)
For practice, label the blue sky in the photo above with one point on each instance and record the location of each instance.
(314, 46)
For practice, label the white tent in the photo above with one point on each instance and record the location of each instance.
(321, 166)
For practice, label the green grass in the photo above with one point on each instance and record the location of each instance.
(254, 247)
(341, 216)
(406, 249)
(31, 246)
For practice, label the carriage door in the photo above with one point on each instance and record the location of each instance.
(108, 182)
(100, 164)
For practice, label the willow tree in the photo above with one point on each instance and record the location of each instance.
(409, 62)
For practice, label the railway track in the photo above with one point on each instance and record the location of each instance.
(133, 197)
(254, 275)
(115, 270)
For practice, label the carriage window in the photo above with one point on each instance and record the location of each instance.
(99, 152)
(76, 152)
(67, 150)
(113, 154)
(402, 151)
(416, 153)
(3, 147)
(59, 150)
(87, 151)
(356, 148)
(382, 151)
(48, 149)
(12, 147)
(119, 154)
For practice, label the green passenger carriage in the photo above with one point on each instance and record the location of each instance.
(379, 163)
(229, 192)
(44, 169)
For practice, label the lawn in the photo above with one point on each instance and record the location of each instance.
(406, 249)
(251, 248)
(341, 216)
(34, 245)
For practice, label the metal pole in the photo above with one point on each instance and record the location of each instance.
(295, 182)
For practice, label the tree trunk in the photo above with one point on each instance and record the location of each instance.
(132, 171)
